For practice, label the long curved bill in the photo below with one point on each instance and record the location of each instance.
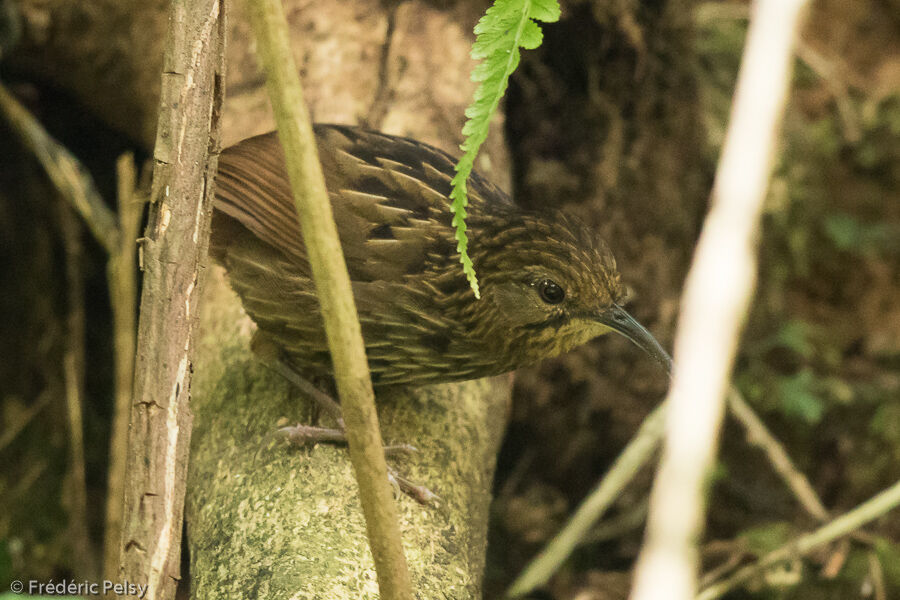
(618, 319)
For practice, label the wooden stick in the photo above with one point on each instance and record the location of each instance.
(174, 250)
(332, 281)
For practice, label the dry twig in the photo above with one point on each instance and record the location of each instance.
(629, 462)
(122, 275)
(877, 506)
(65, 171)
(759, 435)
(73, 377)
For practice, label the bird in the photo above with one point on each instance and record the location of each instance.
(549, 283)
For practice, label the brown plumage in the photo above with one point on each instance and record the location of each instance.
(548, 284)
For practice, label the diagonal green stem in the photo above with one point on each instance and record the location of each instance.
(633, 457)
(877, 506)
(335, 295)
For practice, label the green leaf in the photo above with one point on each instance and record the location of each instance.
(889, 554)
(800, 398)
(531, 36)
(506, 26)
(849, 234)
(796, 336)
(545, 10)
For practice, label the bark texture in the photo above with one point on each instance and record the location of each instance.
(174, 249)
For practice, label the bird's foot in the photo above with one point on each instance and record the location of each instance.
(308, 435)
(325, 402)
(419, 493)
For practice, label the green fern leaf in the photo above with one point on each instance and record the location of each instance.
(506, 26)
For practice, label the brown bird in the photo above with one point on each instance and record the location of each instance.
(548, 283)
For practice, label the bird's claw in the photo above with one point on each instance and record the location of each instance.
(306, 435)
(405, 449)
(419, 493)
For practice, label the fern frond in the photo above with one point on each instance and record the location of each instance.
(506, 26)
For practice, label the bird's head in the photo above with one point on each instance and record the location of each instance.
(549, 284)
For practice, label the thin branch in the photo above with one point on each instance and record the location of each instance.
(638, 451)
(877, 506)
(12, 430)
(736, 553)
(635, 455)
(65, 171)
(117, 234)
(876, 575)
(717, 295)
(759, 435)
(631, 519)
(174, 250)
(836, 77)
(335, 296)
(73, 378)
(829, 73)
(122, 277)
(708, 13)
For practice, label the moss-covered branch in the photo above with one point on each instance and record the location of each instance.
(270, 521)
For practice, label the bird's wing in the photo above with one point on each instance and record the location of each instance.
(389, 195)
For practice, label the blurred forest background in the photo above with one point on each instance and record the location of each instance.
(617, 117)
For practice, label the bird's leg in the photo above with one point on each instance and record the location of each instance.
(305, 435)
(308, 435)
(419, 493)
(302, 435)
(270, 355)
(324, 401)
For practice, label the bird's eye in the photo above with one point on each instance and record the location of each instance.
(550, 292)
